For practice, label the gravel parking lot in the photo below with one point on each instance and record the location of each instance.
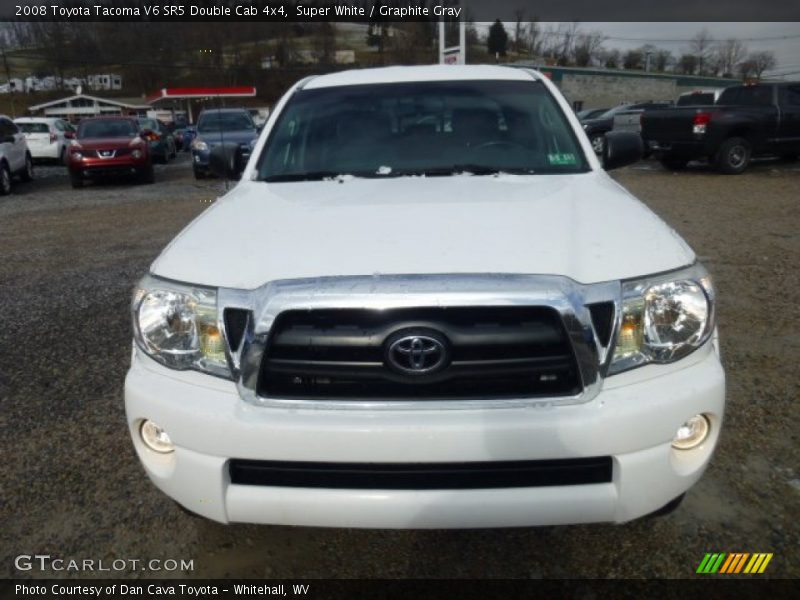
(72, 486)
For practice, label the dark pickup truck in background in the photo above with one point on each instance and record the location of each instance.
(746, 121)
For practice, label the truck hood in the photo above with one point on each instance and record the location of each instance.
(584, 226)
(105, 143)
(239, 137)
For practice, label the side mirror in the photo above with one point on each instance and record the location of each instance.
(622, 148)
(226, 161)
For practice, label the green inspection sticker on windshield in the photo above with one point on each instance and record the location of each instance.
(562, 159)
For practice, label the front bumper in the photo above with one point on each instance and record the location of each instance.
(632, 420)
(108, 167)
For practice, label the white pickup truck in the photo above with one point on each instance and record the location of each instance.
(425, 305)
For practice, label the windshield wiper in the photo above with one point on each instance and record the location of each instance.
(474, 169)
(309, 176)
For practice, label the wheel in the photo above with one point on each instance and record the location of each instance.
(147, 175)
(5, 180)
(199, 174)
(75, 180)
(27, 172)
(62, 158)
(733, 156)
(674, 164)
(598, 141)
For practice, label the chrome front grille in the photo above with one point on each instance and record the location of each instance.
(508, 340)
(421, 353)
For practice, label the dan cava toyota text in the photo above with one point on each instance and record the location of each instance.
(425, 305)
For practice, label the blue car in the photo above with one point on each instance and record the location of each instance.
(221, 126)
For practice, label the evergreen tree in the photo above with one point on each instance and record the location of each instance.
(497, 41)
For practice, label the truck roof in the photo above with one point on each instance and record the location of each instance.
(418, 73)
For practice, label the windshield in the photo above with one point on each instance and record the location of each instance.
(150, 124)
(612, 111)
(34, 127)
(224, 121)
(108, 128)
(424, 128)
(697, 99)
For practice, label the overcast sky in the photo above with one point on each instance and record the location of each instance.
(787, 51)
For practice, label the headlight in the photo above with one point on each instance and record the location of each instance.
(178, 325)
(199, 145)
(664, 318)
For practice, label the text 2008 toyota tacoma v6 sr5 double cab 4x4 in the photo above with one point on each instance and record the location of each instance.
(425, 305)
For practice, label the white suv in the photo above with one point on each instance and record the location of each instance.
(426, 305)
(15, 158)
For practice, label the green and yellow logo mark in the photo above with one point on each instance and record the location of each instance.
(734, 563)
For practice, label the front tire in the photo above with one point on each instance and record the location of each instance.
(5, 180)
(733, 156)
(76, 181)
(27, 171)
(147, 175)
(598, 141)
(199, 174)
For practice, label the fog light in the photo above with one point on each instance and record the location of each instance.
(136, 154)
(692, 433)
(156, 438)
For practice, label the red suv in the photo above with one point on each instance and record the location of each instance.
(109, 147)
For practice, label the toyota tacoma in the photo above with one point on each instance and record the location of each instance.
(425, 305)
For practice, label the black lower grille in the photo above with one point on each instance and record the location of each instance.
(422, 476)
(419, 353)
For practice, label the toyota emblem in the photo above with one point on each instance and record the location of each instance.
(417, 353)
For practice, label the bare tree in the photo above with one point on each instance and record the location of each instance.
(687, 64)
(519, 43)
(323, 42)
(567, 32)
(534, 38)
(633, 59)
(587, 47)
(662, 60)
(701, 48)
(728, 54)
(762, 61)
(611, 58)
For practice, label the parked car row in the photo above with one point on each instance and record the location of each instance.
(47, 137)
(727, 127)
(222, 126)
(745, 121)
(15, 158)
(112, 147)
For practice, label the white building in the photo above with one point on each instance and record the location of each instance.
(105, 81)
(83, 105)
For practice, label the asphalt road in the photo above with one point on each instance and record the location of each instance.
(73, 488)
